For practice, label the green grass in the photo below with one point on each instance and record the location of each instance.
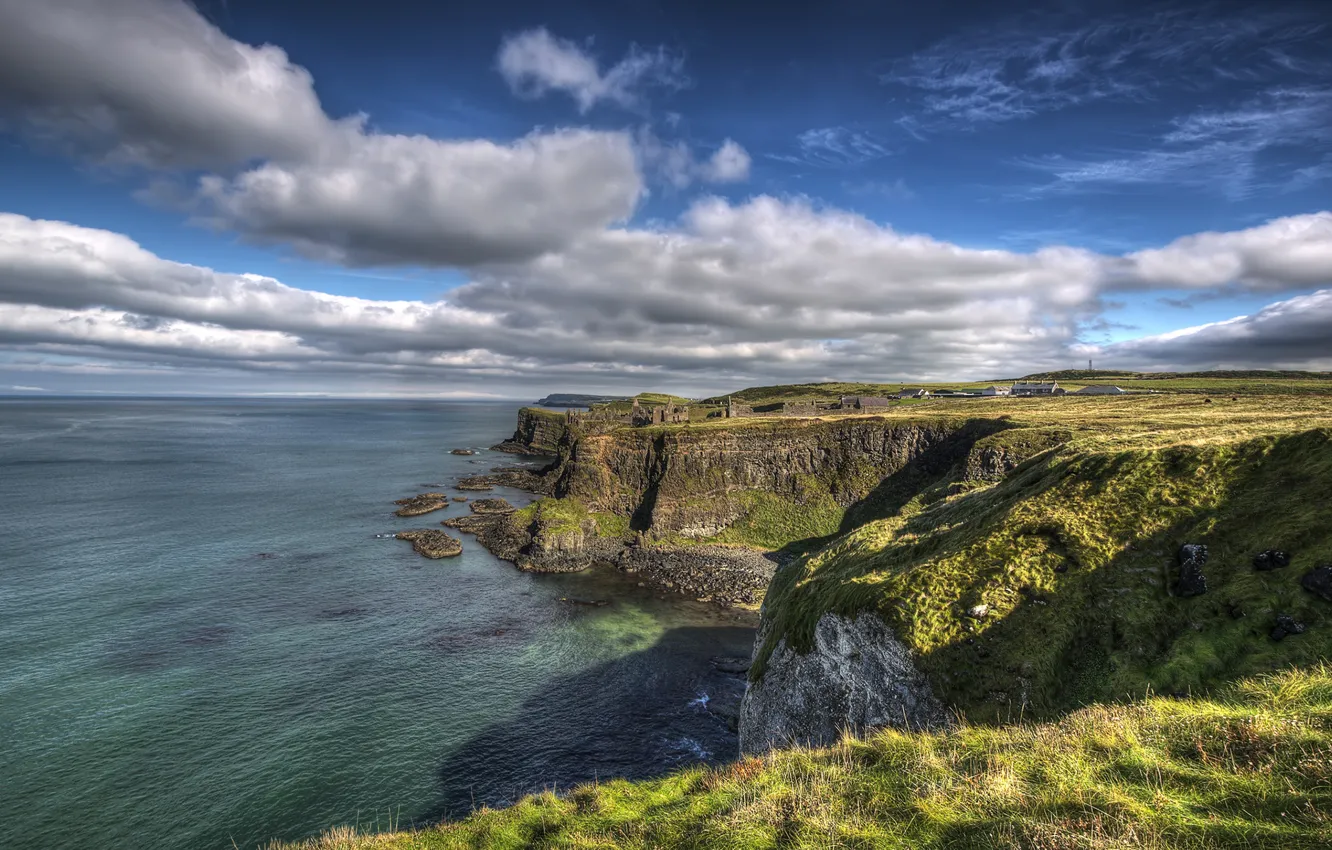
(566, 516)
(1075, 556)
(1250, 383)
(1250, 768)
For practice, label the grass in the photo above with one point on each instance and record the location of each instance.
(1250, 383)
(1074, 555)
(1249, 768)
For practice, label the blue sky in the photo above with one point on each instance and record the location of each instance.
(431, 199)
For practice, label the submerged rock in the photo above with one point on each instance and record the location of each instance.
(1272, 559)
(422, 504)
(858, 676)
(1318, 581)
(1192, 582)
(1286, 625)
(432, 543)
(591, 603)
(459, 498)
(462, 452)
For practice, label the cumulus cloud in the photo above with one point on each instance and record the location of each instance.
(535, 62)
(1290, 334)
(766, 290)
(675, 163)
(403, 200)
(1281, 255)
(151, 82)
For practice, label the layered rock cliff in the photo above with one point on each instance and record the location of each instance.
(538, 432)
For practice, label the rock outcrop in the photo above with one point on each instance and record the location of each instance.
(1192, 580)
(857, 677)
(422, 504)
(432, 543)
(538, 432)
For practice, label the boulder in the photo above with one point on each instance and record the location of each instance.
(1272, 559)
(1192, 582)
(1318, 581)
(462, 452)
(857, 677)
(1286, 625)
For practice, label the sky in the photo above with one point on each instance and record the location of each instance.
(500, 200)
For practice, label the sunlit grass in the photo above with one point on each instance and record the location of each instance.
(1251, 768)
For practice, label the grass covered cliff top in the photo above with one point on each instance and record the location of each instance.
(1073, 558)
(1249, 768)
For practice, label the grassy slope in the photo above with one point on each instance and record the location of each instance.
(1251, 769)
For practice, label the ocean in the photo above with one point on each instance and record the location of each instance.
(206, 642)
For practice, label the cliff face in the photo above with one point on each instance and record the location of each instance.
(743, 482)
(538, 432)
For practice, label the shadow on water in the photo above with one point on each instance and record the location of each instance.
(638, 716)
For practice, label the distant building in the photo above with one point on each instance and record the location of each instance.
(1036, 388)
(911, 393)
(995, 391)
(860, 402)
(1099, 389)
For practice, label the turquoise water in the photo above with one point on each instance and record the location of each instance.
(202, 640)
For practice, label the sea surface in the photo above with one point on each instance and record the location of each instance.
(206, 643)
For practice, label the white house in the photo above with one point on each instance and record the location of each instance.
(1099, 389)
(910, 393)
(995, 391)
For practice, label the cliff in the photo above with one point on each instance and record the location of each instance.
(538, 432)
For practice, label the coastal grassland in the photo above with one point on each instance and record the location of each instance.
(1247, 768)
(1244, 383)
(1073, 557)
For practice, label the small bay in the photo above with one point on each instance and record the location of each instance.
(206, 641)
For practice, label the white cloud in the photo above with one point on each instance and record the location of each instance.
(764, 291)
(1043, 63)
(1281, 255)
(535, 62)
(412, 200)
(153, 83)
(729, 164)
(674, 162)
(835, 147)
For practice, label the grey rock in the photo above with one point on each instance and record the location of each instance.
(1318, 581)
(1285, 626)
(1192, 559)
(857, 677)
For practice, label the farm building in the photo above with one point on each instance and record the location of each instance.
(995, 391)
(1036, 388)
(910, 393)
(1099, 389)
(860, 402)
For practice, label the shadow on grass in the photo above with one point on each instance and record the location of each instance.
(634, 717)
